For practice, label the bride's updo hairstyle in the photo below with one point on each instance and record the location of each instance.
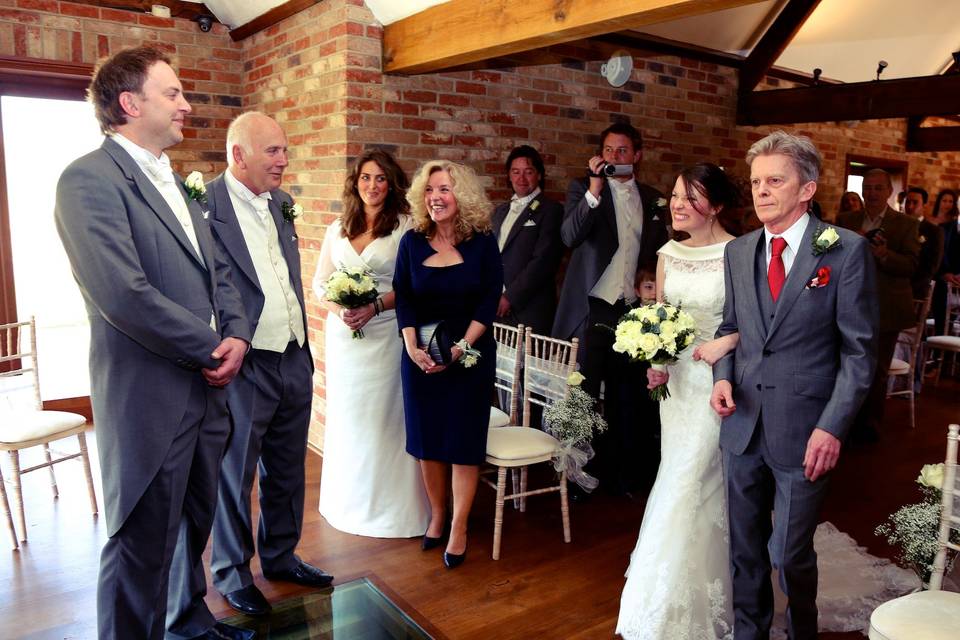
(719, 189)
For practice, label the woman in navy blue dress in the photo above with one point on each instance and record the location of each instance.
(448, 269)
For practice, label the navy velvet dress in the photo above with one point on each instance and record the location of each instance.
(447, 413)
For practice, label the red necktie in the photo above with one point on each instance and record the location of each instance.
(776, 273)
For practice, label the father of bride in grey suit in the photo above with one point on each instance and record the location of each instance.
(167, 334)
(803, 298)
(253, 222)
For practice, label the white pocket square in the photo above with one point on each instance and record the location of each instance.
(206, 215)
(655, 218)
(529, 223)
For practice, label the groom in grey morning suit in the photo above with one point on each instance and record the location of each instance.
(167, 333)
(807, 320)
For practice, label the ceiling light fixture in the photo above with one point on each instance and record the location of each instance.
(816, 75)
(880, 67)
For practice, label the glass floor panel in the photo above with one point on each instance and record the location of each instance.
(355, 610)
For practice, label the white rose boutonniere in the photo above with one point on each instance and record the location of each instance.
(534, 205)
(575, 378)
(195, 187)
(824, 240)
(931, 475)
(291, 211)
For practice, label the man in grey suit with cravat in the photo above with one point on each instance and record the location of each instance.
(253, 222)
(168, 332)
(615, 225)
(802, 297)
(528, 232)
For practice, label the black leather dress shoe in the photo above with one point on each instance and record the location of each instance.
(248, 600)
(303, 573)
(221, 631)
(454, 560)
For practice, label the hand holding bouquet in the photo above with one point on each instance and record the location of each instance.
(351, 288)
(655, 333)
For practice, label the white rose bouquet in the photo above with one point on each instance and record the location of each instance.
(573, 421)
(351, 288)
(655, 333)
(914, 528)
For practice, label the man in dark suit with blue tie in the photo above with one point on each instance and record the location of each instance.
(614, 225)
(168, 332)
(528, 232)
(253, 222)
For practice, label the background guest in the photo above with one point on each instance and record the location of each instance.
(931, 241)
(614, 225)
(894, 242)
(850, 201)
(369, 485)
(448, 271)
(946, 212)
(528, 233)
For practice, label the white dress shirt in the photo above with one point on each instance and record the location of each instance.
(160, 174)
(793, 236)
(618, 278)
(281, 319)
(517, 205)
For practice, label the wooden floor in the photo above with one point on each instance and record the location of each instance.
(541, 588)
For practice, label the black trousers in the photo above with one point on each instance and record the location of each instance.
(628, 453)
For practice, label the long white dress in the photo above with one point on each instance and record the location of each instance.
(369, 485)
(678, 583)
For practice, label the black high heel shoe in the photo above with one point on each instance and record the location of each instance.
(454, 560)
(431, 543)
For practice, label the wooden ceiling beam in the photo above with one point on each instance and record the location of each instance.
(899, 98)
(774, 41)
(931, 138)
(178, 8)
(461, 32)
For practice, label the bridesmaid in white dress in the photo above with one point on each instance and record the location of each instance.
(678, 583)
(369, 485)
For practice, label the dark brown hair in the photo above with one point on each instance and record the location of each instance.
(936, 207)
(353, 221)
(623, 129)
(719, 189)
(126, 70)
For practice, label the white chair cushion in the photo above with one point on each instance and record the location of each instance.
(898, 368)
(498, 418)
(951, 343)
(518, 443)
(927, 615)
(21, 426)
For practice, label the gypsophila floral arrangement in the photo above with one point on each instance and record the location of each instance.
(825, 239)
(351, 288)
(573, 421)
(196, 189)
(655, 333)
(914, 528)
(291, 211)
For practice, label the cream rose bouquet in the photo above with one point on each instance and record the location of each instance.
(914, 528)
(655, 333)
(351, 288)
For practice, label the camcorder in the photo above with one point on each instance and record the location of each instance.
(610, 170)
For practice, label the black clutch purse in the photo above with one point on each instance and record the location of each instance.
(437, 340)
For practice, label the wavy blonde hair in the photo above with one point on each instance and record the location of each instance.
(474, 208)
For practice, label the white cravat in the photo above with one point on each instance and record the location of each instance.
(517, 205)
(281, 318)
(160, 174)
(618, 278)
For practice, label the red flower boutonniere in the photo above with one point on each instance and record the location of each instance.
(822, 278)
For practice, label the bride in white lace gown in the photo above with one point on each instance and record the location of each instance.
(678, 583)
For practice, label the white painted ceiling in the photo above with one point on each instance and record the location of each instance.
(844, 38)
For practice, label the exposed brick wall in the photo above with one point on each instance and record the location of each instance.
(209, 64)
(319, 73)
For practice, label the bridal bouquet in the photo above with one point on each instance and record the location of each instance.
(914, 528)
(351, 289)
(573, 422)
(655, 333)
